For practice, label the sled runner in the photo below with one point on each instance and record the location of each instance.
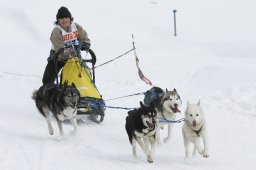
(76, 71)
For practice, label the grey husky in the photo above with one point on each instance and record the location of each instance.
(194, 129)
(166, 113)
(61, 101)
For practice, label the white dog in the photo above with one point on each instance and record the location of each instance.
(194, 129)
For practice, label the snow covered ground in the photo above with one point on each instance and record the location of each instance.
(212, 59)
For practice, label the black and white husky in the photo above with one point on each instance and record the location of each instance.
(61, 101)
(166, 113)
(141, 124)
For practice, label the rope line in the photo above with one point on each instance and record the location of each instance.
(171, 121)
(125, 96)
(114, 58)
(22, 75)
(125, 108)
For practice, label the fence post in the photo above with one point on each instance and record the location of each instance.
(174, 15)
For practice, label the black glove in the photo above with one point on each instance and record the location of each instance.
(85, 46)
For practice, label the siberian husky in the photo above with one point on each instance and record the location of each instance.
(140, 124)
(194, 129)
(167, 112)
(61, 101)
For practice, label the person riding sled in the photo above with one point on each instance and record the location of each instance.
(65, 32)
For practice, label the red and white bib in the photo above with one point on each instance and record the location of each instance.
(69, 36)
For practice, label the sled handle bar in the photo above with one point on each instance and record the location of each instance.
(93, 59)
(89, 60)
(93, 64)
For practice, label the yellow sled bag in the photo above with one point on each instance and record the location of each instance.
(73, 72)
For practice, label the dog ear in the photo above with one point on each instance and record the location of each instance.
(65, 83)
(174, 90)
(166, 90)
(73, 85)
(141, 104)
(198, 103)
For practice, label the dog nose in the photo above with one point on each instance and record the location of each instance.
(175, 105)
(153, 121)
(194, 122)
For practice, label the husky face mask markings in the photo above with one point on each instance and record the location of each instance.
(149, 120)
(168, 110)
(193, 129)
(61, 101)
(140, 124)
(70, 100)
(172, 101)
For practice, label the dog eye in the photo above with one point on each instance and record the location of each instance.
(170, 99)
(191, 115)
(197, 114)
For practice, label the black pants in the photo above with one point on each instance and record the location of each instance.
(51, 71)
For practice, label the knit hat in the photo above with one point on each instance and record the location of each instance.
(63, 12)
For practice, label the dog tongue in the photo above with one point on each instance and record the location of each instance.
(150, 125)
(175, 110)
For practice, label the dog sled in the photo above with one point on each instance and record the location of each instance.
(76, 71)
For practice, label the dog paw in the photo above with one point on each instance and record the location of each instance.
(159, 144)
(134, 153)
(51, 131)
(74, 132)
(149, 159)
(61, 133)
(166, 140)
(206, 155)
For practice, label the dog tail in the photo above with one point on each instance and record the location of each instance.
(34, 95)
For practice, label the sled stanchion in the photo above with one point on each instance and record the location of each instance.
(93, 61)
(55, 57)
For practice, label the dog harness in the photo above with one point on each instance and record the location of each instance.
(197, 131)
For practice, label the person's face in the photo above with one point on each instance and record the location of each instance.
(64, 22)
